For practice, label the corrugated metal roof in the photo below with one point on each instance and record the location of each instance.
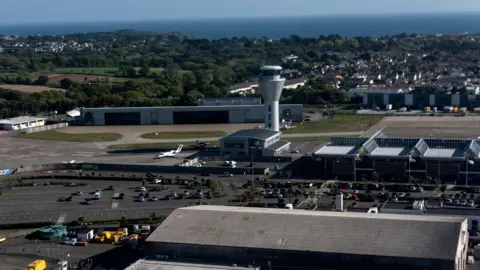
(408, 236)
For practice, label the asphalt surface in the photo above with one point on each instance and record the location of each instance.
(40, 203)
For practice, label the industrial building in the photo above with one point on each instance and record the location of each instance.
(394, 159)
(21, 122)
(294, 239)
(413, 100)
(213, 114)
(251, 142)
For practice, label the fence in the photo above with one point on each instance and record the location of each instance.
(45, 128)
(58, 168)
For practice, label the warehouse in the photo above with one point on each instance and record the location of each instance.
(257, 141)
(287, 239)
(220, 114)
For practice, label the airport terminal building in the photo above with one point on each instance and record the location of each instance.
(254, 142)
(398, 159)
(213, 111)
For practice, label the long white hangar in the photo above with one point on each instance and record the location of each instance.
(218, 114)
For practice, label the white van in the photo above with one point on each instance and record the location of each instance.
(97, 195)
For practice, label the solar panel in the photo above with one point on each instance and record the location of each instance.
(396, 142)
(475, 148)
(347, 141)
(370, 145)
(447, 143)
(421, 147)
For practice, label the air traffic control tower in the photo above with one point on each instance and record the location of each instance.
(271, 86)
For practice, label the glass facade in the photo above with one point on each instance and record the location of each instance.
(270, 72)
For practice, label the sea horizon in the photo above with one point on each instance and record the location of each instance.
(272, 27)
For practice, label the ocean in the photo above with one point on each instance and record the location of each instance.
(348, 26)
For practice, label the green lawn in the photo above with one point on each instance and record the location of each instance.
(133, 146)
(96, 70)
(184, 135)
(340, 123)
(73, 137)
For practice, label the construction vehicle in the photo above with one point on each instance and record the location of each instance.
(426, 109)
(37, 265)
(455, 109)
(463, 111)
(476, 110)
(103, 237)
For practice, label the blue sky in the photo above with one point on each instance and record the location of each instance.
(45, 11)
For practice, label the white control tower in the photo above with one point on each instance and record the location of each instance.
(271, 86)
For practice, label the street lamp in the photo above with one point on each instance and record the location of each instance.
(410, 160)
(467, 162)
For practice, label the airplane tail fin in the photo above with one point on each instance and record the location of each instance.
(179, 149)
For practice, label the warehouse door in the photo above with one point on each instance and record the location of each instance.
(122, 119)
(202, 117)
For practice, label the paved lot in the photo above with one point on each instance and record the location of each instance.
(32, 204)
(431, 127)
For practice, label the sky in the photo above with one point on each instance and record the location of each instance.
(48, 11)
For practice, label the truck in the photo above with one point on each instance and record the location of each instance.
(37, 265)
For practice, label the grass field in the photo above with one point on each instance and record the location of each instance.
(184, 135)
(74, 137)
(133, 146)
(96, 70)
(340, 123)
(29, 88)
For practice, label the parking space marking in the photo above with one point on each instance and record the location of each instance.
(61, 218)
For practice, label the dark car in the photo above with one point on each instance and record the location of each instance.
(206, 174)
(121, 196)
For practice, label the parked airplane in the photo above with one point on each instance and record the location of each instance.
(72, 161)
(171, 153)
(202, 144)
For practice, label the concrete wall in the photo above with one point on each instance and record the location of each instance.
(290, 259)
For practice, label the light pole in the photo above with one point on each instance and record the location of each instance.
(252, 148)
(410, 160)
(467, 162)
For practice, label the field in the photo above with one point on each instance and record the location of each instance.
(96, 70)
(184, 135)
(56, 78)
(447, 127)
(74, 137)
(29, 88)
(340, 123)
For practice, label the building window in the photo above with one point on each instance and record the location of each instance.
(269, 117)
(269, 125)
(269, 108)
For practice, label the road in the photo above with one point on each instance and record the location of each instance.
(284, 136)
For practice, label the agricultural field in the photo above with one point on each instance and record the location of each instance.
(29, 88)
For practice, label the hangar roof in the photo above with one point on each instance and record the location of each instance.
(173, 265)
(256, 133)
(409, 236)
